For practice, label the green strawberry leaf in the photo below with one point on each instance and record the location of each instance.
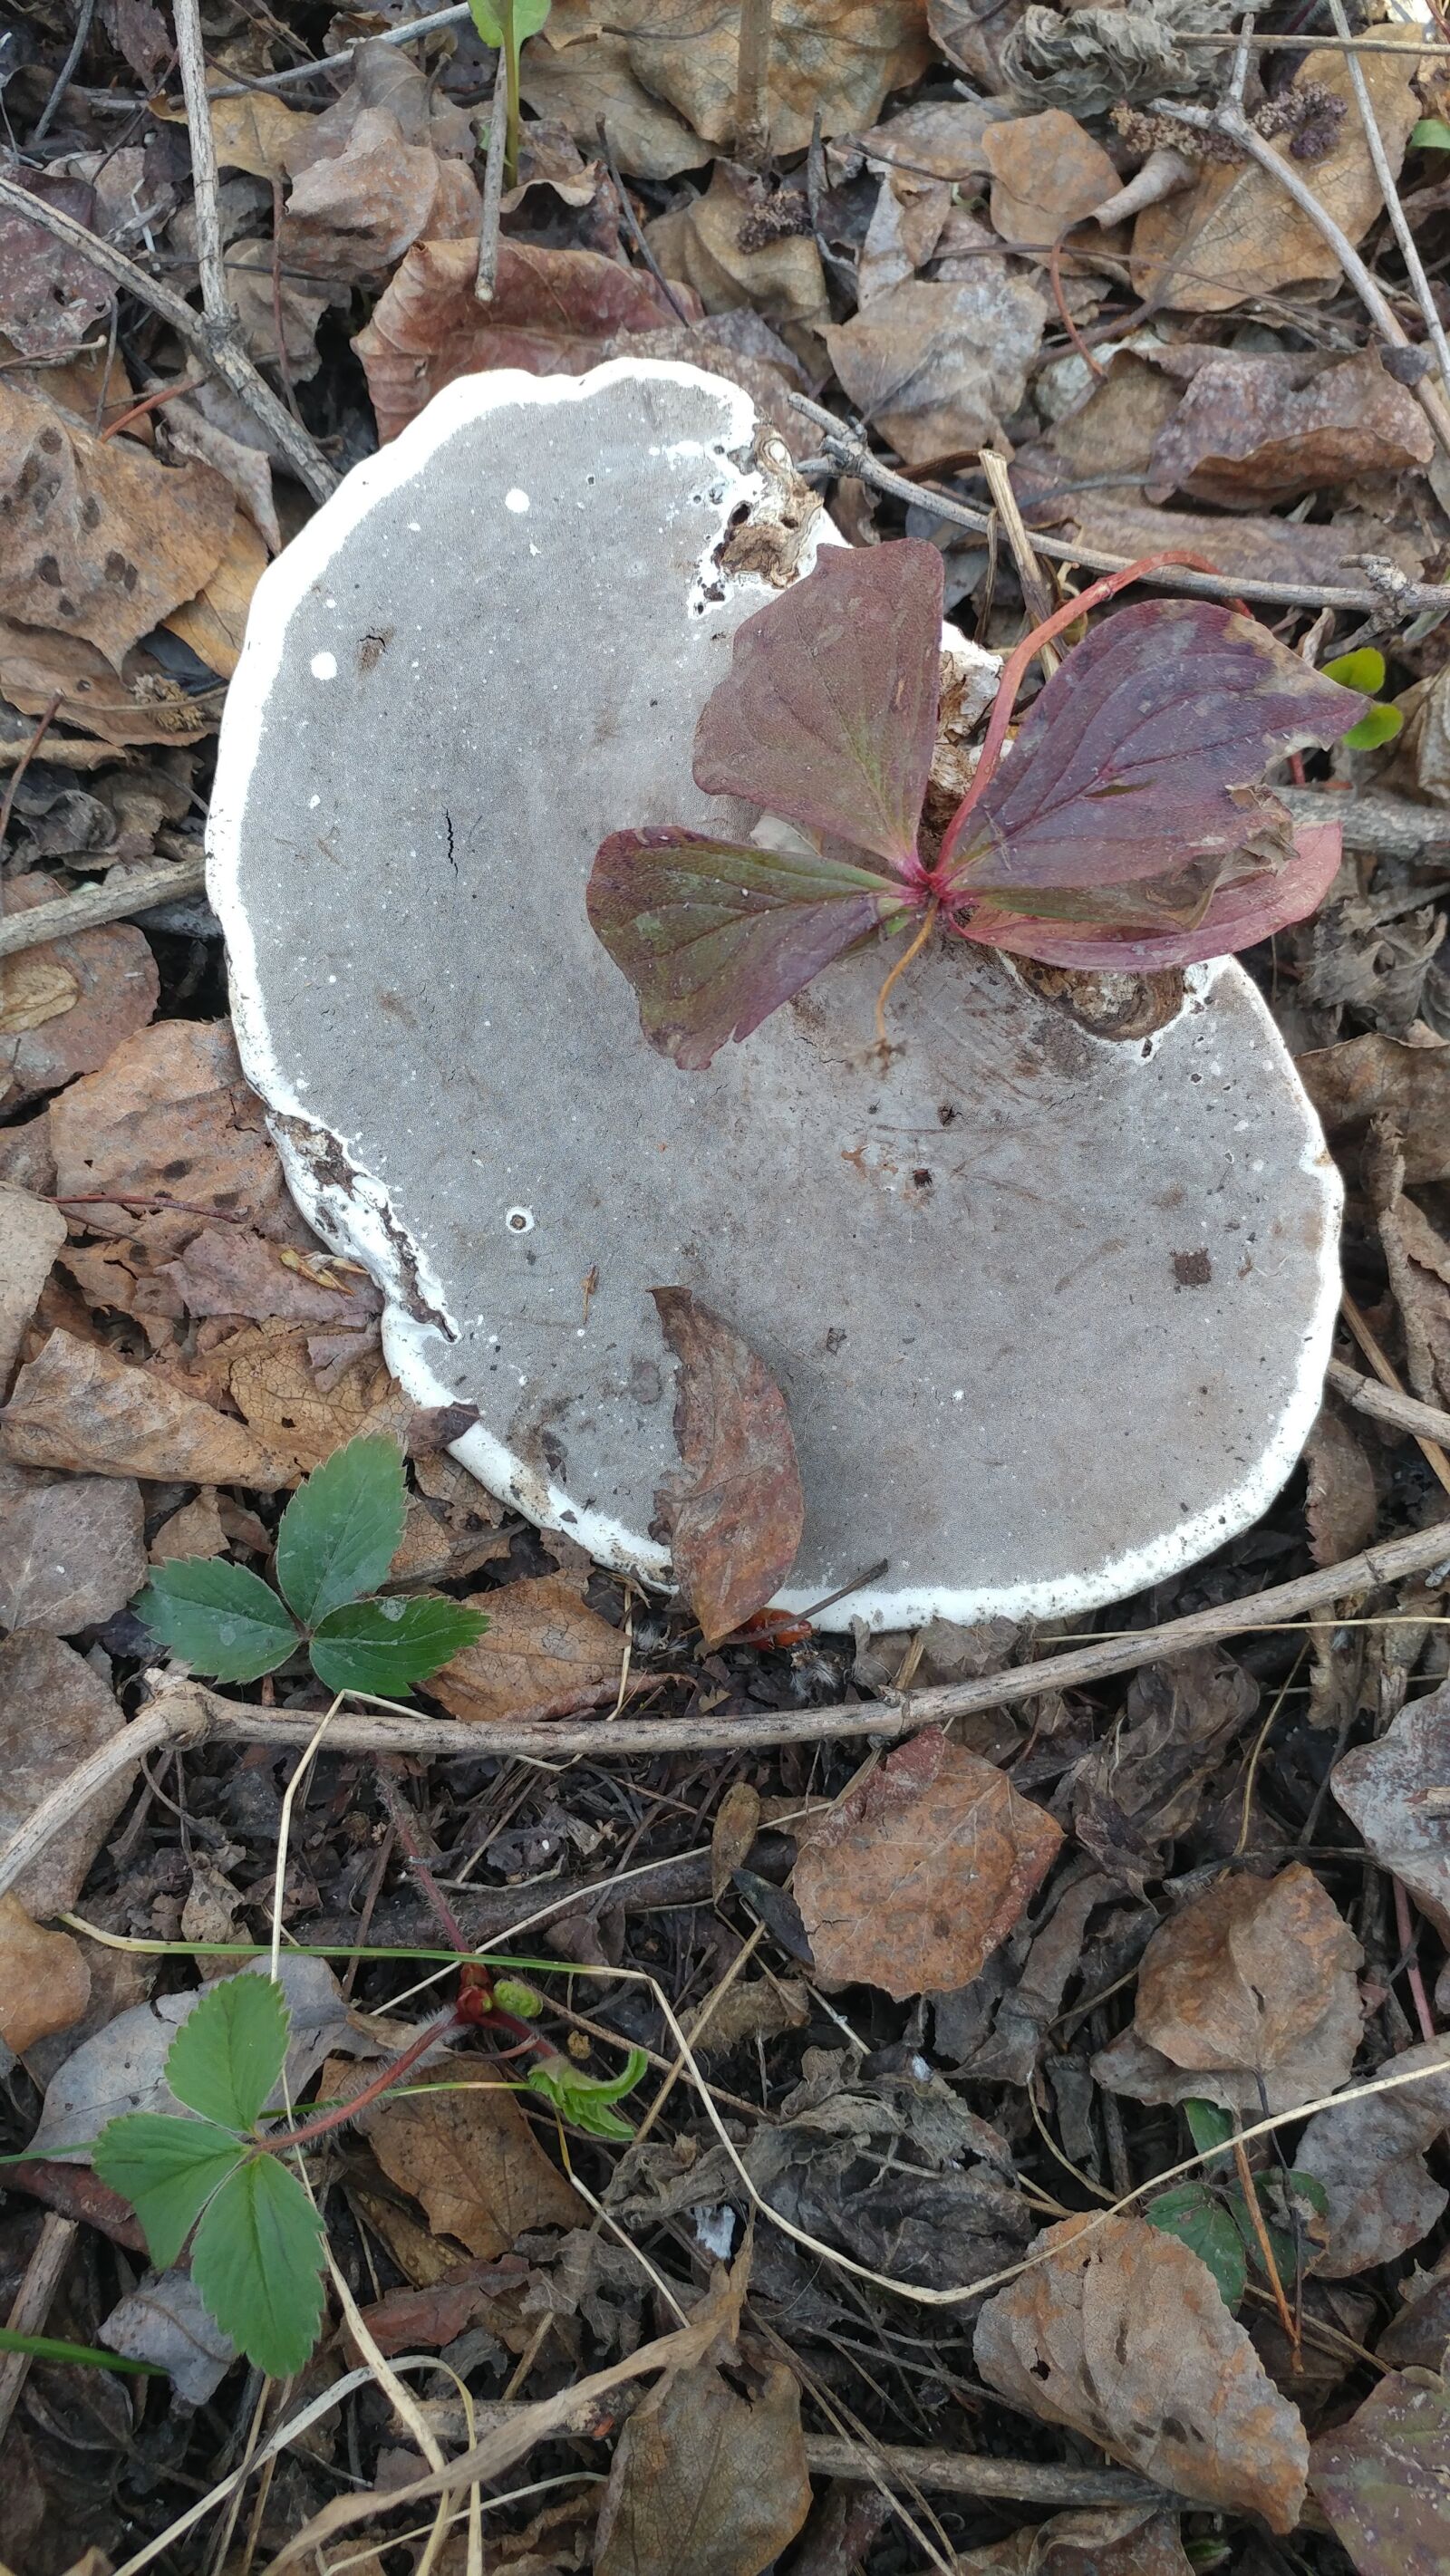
(222, 1620)
(385, 1646)
(584, 2100)
(228, 2053)
(1432, 134)
(341, 1530)
(1208, 2126)
(529, 16)
(1193, 2214)
(257, 2265)
(169, 2169)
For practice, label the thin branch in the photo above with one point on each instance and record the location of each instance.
(1424, 295)
(850, 455)
(752, 85)
(223, 356)
(1385, 827)
(973, 2474)
(296, 72)
(1386, 1404)
(118, 898)
(32, 2306)
(1040, 600)
(1315, 44)
(633, 226)
(486, 278)
(67, 72)
(217, 303)
(11, 792)
(184, 1712)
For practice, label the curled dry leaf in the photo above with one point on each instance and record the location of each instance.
(163, 2320)
(1122, 2335)
(920, 1871)
(835, 58)
(49, 294)
(1382, 1789)
(228, 1270)
(718, 246)
(708, 2478)
(473, 2161)
(1246, 1997)
(1251, 547)
(1254, 430)
(214, 623)
(387, 165)
(1341, 1505)
(257, 132)
(1371, 1076)
(71, 1549)
(45, 1984)
(1112, 2540)
(734, 1519)
(1047, 175)
(55, 1710)
(1382, 2478)
(143, 705)
(552, 311)
(1140, 1786)
(80, 1407)
(66, 1004)
(1370, 2157)
(1237, 235)
(111, 540)
(593, 83)
(938, 366)
(544, 1652)
(31, 1234)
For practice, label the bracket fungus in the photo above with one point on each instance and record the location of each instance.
(1050, 1307)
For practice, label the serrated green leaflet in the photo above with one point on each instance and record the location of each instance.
(529, 16)
(220, 1619)
(1200, 2221)
(228, 2053)
(386, 1646)
(257, 2264)
(584, 2100)
(168, 2169)
(1208, 2126)
(341, 1530)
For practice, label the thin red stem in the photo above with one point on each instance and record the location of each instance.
(326, 2121)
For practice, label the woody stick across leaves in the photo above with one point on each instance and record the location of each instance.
(1128, 831)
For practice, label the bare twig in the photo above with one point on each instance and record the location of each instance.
(118, 898)
(752, 85)
(1386, 1404)
(66, 74)
(224, 356)
(32, 2306)
(1314, 44)
(850, 455)
(1430, 1449)
(211, 265)
(339, 61)
(1040, 599)
(1385, 827)
(487, 276)
(1239, 68)
(969, 2473)
(184, 1712)
(632, 225)
(1424, 296)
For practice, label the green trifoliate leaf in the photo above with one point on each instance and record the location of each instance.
(385, 1646)
(257, 2265)
(229, 2052)
(1193, 2214)
(168, 2169)
(584, 2100)
(341, 1530)
(223, 1621)
(1208, 2126)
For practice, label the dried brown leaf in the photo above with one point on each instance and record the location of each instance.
(1382, 2478)
(1111, 2540)
(838, 58)
(1251, 548)
(1140, 1786)
(544, 1652)
(735, 1518)
(257, 132)
(45, 1984)
(1122, 2335)
(170, 1116)
(270, 1377)
(551, 313)
(1236, 235)
(1250, 1985)
(54, 1711)
(267, 292)
(1371, 1076)
(71, 1549)
(49, 294)
(1382, 1788)
(143, 705)
(104, 986)
(214, 623)
(706, 2480)
(31, 1234)
(1370, 2157)
(939, 366)
(713, 246)
(1047, 174)
(592, 84)
(386, 165)
(228, 1270)
(473, 2161)
(196, 1530)
(78, 1406)
(920, 1871)
(102, 539)
(1253, 430)
(1341, 1505)
(732, 1836)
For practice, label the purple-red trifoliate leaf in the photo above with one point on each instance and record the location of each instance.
(714, 935)
(1240, 913)
(1145, 751)
(828, 713)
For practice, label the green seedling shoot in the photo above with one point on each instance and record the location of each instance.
(1365, 670)
(338, 1537)
(1211, 2216)
(506, 24)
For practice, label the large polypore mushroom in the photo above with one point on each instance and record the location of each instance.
(1050, 1308)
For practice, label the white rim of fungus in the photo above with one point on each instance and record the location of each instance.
(360, 1219)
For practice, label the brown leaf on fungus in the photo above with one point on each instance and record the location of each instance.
(1383, 1787)
(919, 1872)
(1141, 1784)
(1250, 1985)
(1047, 175)
(1374, 1075)
(938, 366)
(1122, 2336)
(734, 1519)
(54, 1711)
(1370, 2157)
(1383, 2477)
(544, 1652)
(170, 1116)
(1237, 235)
(836, 58)
(87, 994)
(45, 1984)
(1254, 430)
(71, 1549)
(31, 1234)
(78, 1406)
(472, 2160)
(551, 312)
(708, 2479)
(102, 539)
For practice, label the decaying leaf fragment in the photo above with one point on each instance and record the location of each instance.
(708, 2479)
(1122, 2335)
(919, 1872)
(1382, 1789)
(1383, 2477)
(545, 1652)
(473, 2161)
(735, 1521)
(1370, 2157)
